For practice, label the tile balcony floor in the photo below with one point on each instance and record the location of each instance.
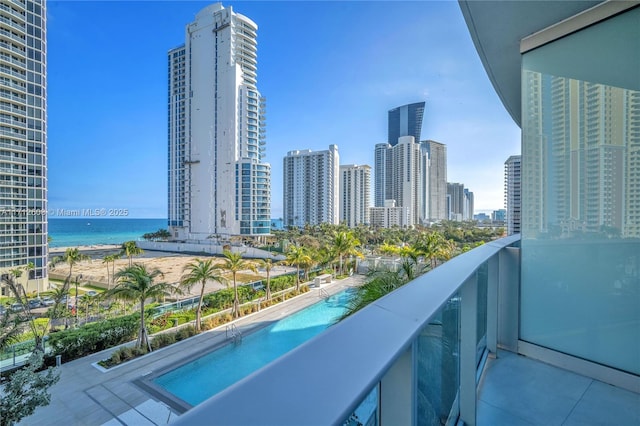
(516, 390)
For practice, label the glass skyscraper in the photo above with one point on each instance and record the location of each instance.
(405, 120)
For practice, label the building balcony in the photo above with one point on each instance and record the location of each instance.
(443, 349)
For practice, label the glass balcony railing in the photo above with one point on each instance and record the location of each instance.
(411, 357)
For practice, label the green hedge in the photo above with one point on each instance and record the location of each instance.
(282, 282)
(93, 337)
(223, 299)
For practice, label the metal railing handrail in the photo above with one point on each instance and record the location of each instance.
(354, 358)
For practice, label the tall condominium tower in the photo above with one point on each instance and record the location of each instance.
(437, 179)
(467, 211)
(405, 120)
(512, 194)
(23, 141)
(403, 177)
(382, 171)
(455, 195)
(218, 181)
(355, 187)
(311, 187)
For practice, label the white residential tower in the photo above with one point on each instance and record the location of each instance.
(311, 187)
(218, 181)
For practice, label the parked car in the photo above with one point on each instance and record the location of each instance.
(16, 307)
(3, 310)
(91, 293)
(48, 301)
(34, 303)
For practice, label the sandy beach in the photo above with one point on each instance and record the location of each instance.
(170, 264)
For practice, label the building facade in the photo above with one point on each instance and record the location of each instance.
(401, 176)
(437, 180)
(390, 215)
(23, 141)
(382, 173)
(355, 190)
(512, 193)
(455, 197)
(405, 120)
(311, 187)
(219, 183)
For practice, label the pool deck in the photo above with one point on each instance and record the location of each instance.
(86, 396)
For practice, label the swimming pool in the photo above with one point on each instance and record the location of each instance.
(204, 377)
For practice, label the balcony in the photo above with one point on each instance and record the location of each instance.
(428, 353)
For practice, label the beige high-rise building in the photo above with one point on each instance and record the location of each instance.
(355, 190)
(437, 180)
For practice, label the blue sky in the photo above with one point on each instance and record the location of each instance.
(330, 72)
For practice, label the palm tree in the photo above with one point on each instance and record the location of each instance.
(130, 249)
(434, 246)
(409, 265)
(377, 285)
(9, 281)
(296, 255)
(111, 259)
(268, 264)
(137, 283)
(345, 244)
(58, 294)
(200, 271)
(72, 256)
(234, 263)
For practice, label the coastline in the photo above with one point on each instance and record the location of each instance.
(83, 248)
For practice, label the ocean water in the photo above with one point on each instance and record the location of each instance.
(80, 232)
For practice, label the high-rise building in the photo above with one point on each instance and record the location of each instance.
(311, 187)
(407, 177)
(455, 195)
(401, 175)
(467, 211)
(390, 215)
(405, 120)
(512, 187)
(23, 141)
(218, 181)
(437, 180)
(355, 189)
(382, 172)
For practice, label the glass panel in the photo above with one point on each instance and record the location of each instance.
(581, 194)
(438, 365)
(367, 412)
(482, 277)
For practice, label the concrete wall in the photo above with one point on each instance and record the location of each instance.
(247, 252)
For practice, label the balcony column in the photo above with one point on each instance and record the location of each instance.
(398, 392)
(468, 344)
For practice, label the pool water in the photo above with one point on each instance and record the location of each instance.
(202, 378)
